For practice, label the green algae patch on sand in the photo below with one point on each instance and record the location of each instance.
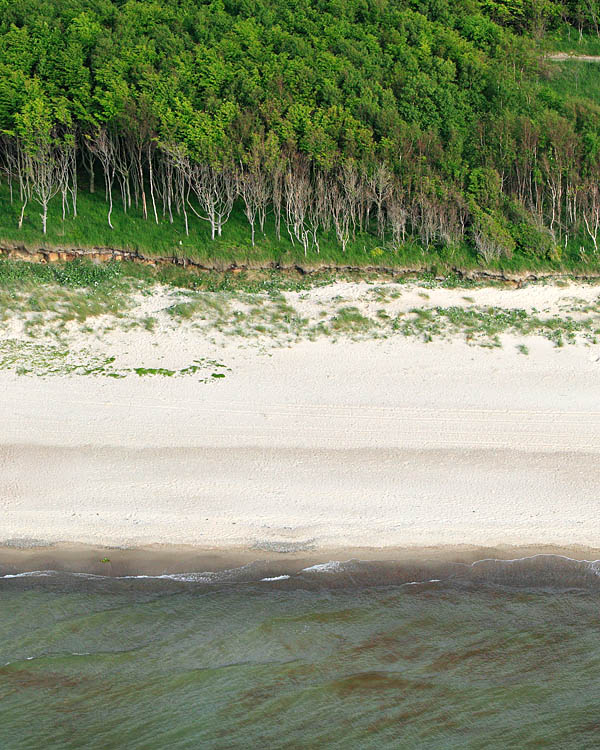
(44, 360)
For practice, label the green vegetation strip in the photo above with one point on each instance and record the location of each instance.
(273, 309)
(483, 326)
(27, 358)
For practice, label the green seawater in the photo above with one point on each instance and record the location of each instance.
(494, 655)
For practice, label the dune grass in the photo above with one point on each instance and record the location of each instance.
(484, 326)
(53, 305)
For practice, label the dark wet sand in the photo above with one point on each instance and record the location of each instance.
(19, 556)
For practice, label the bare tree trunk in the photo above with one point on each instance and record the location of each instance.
(141, 182)
(9, 147)
(591, 214)
(298, 198)
(339, 213)
(44, 161)
(14, 166)
(397, 217)
(277, 199)
(180, 168)
(74, 185)
(67, 176)
(152, 184)
(215, 192)
(22, 215)
(380, 184)
(88, 162)
(102, 146)
(253, 185)
(350, 184)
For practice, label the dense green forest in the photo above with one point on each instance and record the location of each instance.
(379, 124)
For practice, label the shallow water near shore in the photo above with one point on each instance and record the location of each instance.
(342, 654)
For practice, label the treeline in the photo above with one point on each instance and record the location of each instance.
(161, 180)
(414, 121)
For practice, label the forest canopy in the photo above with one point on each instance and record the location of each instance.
(414, 121)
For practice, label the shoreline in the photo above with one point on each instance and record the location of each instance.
(169, 560)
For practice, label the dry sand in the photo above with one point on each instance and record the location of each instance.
(312, 448)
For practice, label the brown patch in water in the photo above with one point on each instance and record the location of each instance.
(452, 658)
(362, 682)
(342, 615)
(399, 719)
(28, 678)
(390, 648)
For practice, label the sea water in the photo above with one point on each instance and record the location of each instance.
(343, 655)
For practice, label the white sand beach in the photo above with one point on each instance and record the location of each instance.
(373, 443)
